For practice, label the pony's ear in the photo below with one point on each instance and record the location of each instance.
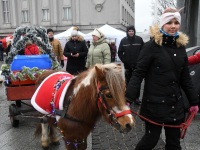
(99, 73)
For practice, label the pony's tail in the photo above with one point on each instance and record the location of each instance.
(38, 130)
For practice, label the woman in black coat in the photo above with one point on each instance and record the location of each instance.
(163, 64)
(76, 51)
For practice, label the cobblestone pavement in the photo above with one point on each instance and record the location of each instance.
(104, 137)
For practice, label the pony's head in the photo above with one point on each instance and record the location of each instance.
(111, 97)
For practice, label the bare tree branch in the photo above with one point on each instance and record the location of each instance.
(161, 6)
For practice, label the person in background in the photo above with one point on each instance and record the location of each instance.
(113, 50)
(88, 44)
(8, 48)
(31, 49)
(1, 51)
(76, 51)
(57, 49)
(128, 52)
(99, 51)
(164, 65)
(194, 59)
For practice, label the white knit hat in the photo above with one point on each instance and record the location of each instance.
(97, 33)
(74, 31)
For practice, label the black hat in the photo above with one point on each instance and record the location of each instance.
(49, 30)
(130, 28)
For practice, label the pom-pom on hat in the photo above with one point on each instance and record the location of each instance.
(74, 31)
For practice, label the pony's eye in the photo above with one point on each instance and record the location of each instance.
(108, 95)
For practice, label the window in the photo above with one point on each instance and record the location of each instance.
(45, 15)
(6, 13)
(25, 16)
(67, 13)
(122, 12)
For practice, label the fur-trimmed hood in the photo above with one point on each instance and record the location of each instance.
(157, 36)
(80, 38)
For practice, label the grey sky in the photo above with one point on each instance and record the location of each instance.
(143, 18)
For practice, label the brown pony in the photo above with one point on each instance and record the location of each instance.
(97, 92)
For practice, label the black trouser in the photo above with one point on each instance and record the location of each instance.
(152, 135)
(1, 55)
(128, 74)
(112, 58)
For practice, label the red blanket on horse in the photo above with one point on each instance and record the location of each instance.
(53, 88)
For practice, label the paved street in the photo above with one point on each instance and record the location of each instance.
(104, 137)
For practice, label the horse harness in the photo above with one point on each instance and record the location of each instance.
(112, 115)
(62, 113)
(100, 101)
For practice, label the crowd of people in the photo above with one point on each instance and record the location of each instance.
(162, 64)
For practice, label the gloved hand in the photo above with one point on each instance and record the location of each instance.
(62, 63)
(194, 109)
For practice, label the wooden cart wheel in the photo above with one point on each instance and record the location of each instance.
(13, 112)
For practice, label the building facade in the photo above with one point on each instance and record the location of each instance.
(62, 14)
(190, 20)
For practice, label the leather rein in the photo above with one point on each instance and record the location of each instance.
(183, 126)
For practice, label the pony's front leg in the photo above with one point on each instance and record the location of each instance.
(45, 136)
(54, 138)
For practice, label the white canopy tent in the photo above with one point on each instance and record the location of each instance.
(66, 34)
(145, 35)
(110, 33)
(63, 36)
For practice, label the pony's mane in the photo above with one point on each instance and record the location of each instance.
(115, 81)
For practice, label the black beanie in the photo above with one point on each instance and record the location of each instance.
(130, 28)
(49, 30)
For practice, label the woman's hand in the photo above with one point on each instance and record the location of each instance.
(194, 109)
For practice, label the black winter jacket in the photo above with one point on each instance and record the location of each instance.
(129, 50)
(75, 64)
(163, 65)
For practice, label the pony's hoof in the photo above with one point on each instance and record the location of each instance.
(56, 143)
(45, 148)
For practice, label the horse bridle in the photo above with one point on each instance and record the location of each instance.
(111, 114)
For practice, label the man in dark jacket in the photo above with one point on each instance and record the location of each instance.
(76, 51)
(1, 51)
(128, 53)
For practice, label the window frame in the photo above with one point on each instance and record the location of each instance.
(27, 16)
(5, 11)
(43, 15)
(67, 15)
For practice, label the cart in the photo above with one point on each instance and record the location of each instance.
(21, 71)
(21, 91)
